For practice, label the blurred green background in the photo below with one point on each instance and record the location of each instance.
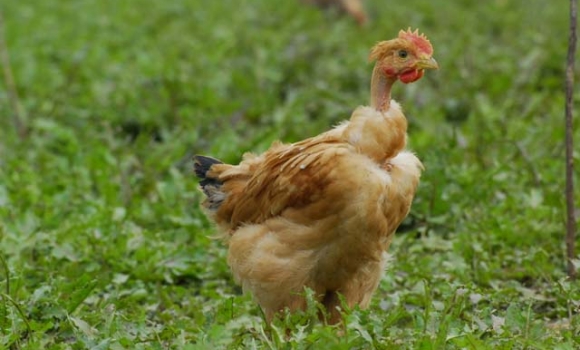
(102, 241)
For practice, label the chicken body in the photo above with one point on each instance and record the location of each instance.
(354, 8)
(319, 213)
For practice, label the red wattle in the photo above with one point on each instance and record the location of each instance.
(411, 76)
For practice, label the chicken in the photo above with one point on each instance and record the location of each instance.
(321, 213)
(352, 7)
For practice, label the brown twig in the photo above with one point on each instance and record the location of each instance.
(570, 209)
(17, 109)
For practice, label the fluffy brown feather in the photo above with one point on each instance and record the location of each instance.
(319, 213)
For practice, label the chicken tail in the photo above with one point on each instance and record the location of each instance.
(210, 186)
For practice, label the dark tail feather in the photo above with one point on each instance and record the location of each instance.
(201, 165)
(210, 186)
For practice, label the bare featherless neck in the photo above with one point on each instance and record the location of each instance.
(404, 58)
(381, 89)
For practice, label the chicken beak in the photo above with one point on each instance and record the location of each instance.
(427, 63)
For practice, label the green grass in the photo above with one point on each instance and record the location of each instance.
(102, 242)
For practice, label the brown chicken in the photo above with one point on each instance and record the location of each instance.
(321, 213)
(352, 7)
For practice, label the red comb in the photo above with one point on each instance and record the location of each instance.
(420, 40)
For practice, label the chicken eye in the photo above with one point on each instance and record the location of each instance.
(403, 53)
